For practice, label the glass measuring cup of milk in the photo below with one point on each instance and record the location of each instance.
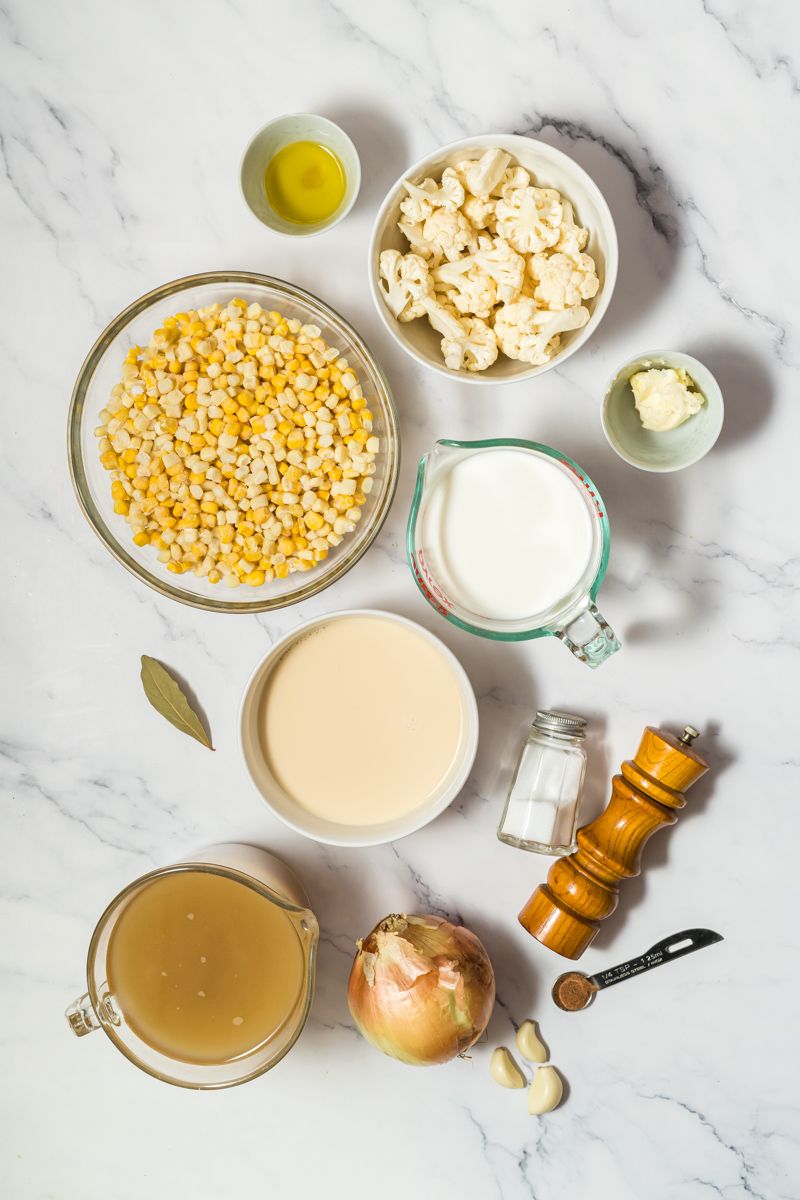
(202, 973)
(509, 540)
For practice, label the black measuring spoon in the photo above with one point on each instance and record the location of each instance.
(573, 990)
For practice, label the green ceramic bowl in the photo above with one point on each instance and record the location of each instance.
(677, 448)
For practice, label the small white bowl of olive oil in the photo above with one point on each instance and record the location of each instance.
(300, 174)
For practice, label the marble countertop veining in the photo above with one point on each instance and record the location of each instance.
(121, 129)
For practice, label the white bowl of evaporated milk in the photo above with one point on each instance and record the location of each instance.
(359, 727)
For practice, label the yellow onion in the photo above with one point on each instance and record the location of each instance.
(421, 989)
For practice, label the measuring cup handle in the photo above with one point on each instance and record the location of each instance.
(589, 636)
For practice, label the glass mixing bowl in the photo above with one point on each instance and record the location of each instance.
(102, 370)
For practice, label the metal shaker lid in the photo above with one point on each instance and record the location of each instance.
(552, 721)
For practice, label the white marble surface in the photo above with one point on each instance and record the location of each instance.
(122, 126)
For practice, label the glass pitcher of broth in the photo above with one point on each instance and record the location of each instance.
(202, 973)
(509, 540)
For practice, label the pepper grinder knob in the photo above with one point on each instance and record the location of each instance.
(688, 735)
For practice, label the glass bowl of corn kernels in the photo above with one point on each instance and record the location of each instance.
(233, 442)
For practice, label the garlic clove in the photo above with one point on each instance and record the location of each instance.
(504, 1069)
(545, 1092)
(529, 1044)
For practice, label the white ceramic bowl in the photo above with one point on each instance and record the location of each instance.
(550, 168)
(280, 132)
(332, 832)
(676, 448)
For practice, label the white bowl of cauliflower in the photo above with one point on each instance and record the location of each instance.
(493, 259)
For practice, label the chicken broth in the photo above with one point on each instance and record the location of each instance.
(204, 968)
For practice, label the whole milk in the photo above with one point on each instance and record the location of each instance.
(507, 533)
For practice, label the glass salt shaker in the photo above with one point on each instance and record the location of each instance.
(541, 812)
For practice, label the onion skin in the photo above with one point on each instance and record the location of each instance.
(421, 989)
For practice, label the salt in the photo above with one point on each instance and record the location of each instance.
(542, 807)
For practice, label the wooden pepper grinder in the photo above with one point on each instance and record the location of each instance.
(564, 914)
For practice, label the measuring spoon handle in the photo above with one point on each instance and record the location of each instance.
(685, 942)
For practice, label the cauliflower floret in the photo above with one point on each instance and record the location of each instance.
(482, 175)
(479, 211)
(452, 194)
(512, 177)
(418, 204)
(572, 238)
(408, 284)
(530, 218)
(475, 348)
(412, 232)
(468, 289)
(444, 319)
(530, 334)
(467, 342)
(563, 280)
(449, 232)
(423, 198)
(507, 268)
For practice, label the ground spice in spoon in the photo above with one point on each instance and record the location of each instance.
(573, 991)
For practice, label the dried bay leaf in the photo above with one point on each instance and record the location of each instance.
(168, 698)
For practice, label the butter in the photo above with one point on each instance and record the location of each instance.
(665, 398)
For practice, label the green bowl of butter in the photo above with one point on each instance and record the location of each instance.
(662, 411)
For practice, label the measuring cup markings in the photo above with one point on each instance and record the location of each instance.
(428, 585)
(586, 484)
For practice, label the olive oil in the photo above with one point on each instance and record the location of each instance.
(204, 968)
(305, 183)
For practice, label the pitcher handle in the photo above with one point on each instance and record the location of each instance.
(81, 1016)
(589, 636)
